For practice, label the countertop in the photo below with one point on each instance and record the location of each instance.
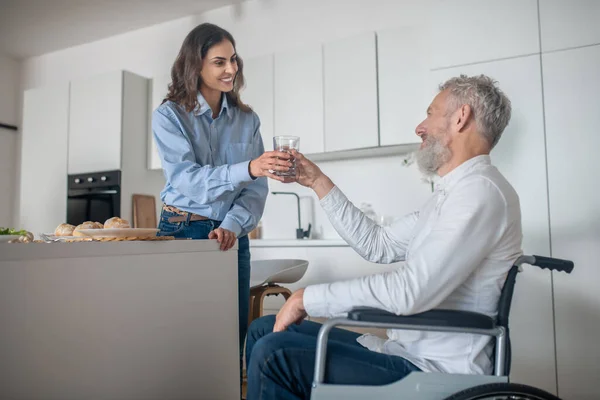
(298, 243)
(31, 251)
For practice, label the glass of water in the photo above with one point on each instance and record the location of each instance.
(286, 144)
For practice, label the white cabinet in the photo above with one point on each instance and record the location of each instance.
(520, 156)
(258, 94)
(567, 24)
(158, 88)
(468, 31)
(95, 119)
(299, 96)
(43, 194)
(350, 79)
(571, 87)
(403, 69)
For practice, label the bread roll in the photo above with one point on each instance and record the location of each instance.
(86, 225)
(64, 230)
(116, 222)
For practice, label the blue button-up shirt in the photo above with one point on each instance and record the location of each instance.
(205, 162)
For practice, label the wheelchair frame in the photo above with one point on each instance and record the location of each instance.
(430, 385)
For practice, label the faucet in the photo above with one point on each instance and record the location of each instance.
(300, 233)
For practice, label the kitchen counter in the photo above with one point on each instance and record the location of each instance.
(298, 243)
(34, 251)
(120, 320)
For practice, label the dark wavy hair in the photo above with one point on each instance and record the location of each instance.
(185, 73)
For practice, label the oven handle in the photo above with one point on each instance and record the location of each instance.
(91, 194)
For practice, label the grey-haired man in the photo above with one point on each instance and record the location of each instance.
(457, 249)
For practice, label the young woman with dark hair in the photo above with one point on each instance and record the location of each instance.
(212, 152)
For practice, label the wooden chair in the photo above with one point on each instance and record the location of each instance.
(144, 211)
(257, 296)
(265, 276)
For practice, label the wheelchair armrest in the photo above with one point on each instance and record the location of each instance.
(437, 318)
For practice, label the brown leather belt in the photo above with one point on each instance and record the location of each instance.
(183, 215)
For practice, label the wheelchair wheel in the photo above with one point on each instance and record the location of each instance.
(502, 391)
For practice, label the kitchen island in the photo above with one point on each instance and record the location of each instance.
(118, 320)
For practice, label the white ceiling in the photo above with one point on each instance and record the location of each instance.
(34, 27)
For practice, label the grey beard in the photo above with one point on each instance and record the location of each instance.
(431, 157)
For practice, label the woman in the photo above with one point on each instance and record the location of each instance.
(212, 154)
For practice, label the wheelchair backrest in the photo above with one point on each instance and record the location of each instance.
(504, 310)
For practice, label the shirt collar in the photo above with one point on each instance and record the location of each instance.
(448, 180)
(203, 106)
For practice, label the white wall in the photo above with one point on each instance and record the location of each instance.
(9, 114)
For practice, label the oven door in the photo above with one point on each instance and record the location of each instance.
(95, 205)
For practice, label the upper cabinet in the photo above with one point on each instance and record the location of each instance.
(404, 94)
(95, 123)
(350, 93)
(495, 30)
(566, 24)
(43, 204)
(99, 117)
(158, 88)
(258, 94)
(299, 96)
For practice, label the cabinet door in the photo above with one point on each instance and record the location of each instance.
(403, 96)
(258, 94)
(520, 157)
(159, 87)
(299, 96)
(43, 204)
(571, 87)
(351, 93)
(567, 24)
(95, 123)
(495, 30)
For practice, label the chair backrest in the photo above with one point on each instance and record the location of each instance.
(144, 211)
(504, 311)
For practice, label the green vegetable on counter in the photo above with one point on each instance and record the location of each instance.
(10, 231)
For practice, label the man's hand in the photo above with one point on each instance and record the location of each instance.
(309, 175)
(223, 236)
(292, 312)
(270, 161)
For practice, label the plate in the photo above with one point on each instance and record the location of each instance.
(52, 236)
(119, 232)
(6, 238)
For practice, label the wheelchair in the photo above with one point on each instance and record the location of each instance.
(433, 385)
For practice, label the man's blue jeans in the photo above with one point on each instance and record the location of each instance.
(281, 365)
(200, 230)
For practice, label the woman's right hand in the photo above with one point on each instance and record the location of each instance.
(270, 161)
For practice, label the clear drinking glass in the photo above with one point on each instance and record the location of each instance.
(285, 144)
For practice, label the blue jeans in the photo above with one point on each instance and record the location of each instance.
(200, 230)
(281, 365)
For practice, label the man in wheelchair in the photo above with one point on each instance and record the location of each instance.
(457, 250)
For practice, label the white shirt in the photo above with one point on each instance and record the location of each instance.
(458, 249)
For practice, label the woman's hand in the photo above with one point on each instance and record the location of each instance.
(270, 161)
(309, 175)
(223, 236)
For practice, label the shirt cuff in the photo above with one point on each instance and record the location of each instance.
(315, 300)
(238, 173)
(231, 225)
(333, 200)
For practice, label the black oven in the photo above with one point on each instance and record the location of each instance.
(93, 197)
